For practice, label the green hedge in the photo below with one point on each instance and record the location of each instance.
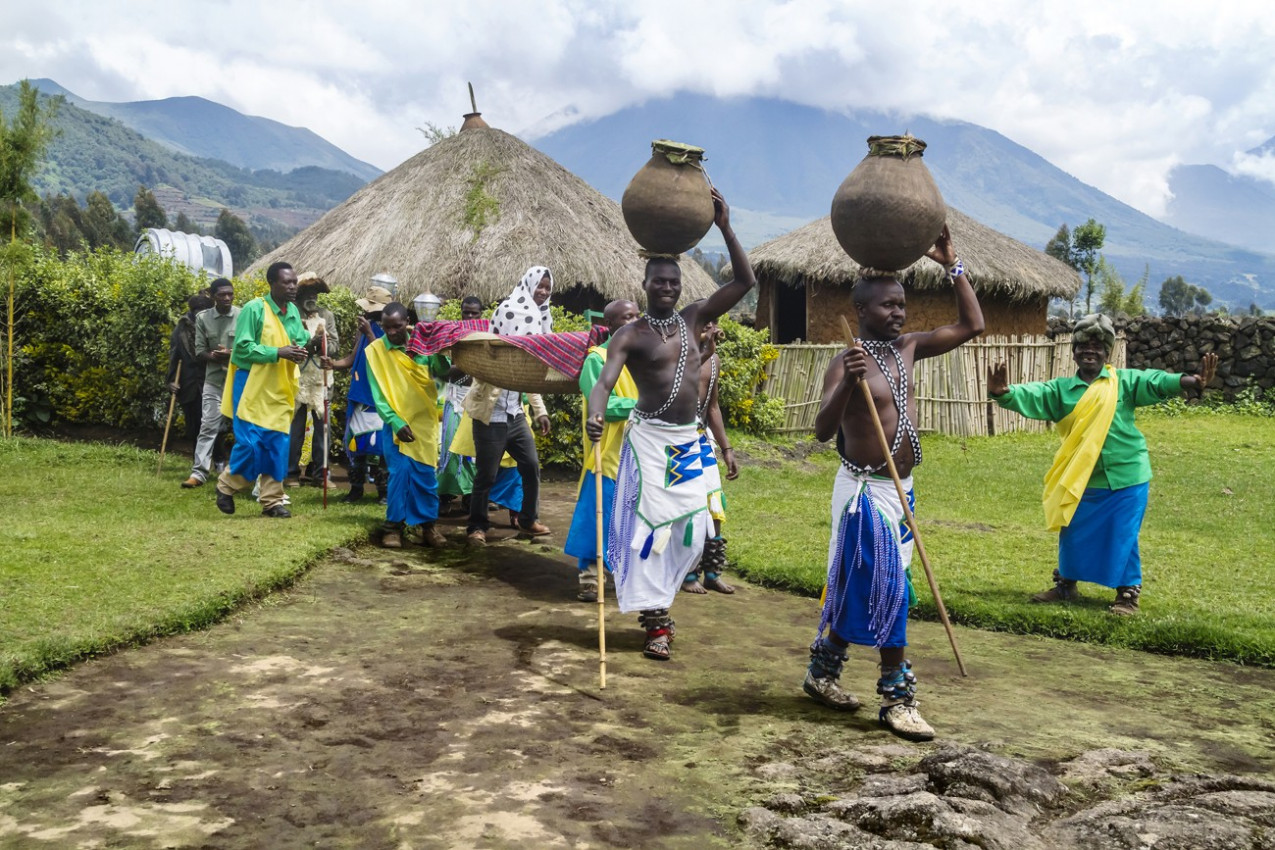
(92, 332)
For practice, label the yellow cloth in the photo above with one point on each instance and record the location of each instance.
(270, 392)
(463, 441)
(1083, 432)
(612, 432)
(408, 388)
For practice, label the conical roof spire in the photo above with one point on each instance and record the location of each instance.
(475, 118)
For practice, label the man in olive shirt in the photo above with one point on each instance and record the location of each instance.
(1096, 491)
(214, 336)
(261, 392)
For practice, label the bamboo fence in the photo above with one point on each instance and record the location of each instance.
(951, 390)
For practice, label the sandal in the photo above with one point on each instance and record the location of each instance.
(657, 645)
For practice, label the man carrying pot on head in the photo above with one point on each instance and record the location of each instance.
(214, 337)
(364, 446)
(315, 382)
(261, 390)
(660, 518)
(869, 589)
(1096, 491)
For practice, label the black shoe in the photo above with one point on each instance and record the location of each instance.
(278, 512)
(225, 503)
(353, 496)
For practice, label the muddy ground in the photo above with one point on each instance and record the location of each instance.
(451, 700)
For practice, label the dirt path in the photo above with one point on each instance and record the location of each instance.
(417, 701)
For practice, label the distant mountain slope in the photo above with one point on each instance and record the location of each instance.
(1234, 208)
(95, 153)
(202, 128)
(785, 160)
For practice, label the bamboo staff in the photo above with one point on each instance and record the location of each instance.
(172, 400)
(602, 576)
(903, 500)
(327, 426)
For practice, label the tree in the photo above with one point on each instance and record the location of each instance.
(232, 230)
(146, 210)
(435, 133)
(1112, 297)
(103, 225)
(185, 225)
(1079, 249)
(1177, 297)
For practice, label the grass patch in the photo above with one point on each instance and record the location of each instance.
(1205, 544)
(97, 553)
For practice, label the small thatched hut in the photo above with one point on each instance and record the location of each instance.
(804, 281)
(468, 216)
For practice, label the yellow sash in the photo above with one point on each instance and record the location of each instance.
(409, 388)
(612, 432)
(463, 441)
(1083, 432)
(270, 392)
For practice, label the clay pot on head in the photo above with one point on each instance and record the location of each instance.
(668, 206)
(888, 212)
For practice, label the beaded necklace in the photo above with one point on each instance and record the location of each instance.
(660, 325)
(899, 393)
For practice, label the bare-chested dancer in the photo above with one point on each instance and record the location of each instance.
(660, 516)
(871, 548)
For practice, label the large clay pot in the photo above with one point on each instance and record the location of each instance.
(668, 206)
(888, 212)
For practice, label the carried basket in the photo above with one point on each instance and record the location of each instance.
(495, 361)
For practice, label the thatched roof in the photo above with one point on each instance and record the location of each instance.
(996, 263)
(424, 223)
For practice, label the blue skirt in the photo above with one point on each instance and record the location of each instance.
(507, 491)
(582, 538)
(1101, 543)
(412, 493)
(257, 450)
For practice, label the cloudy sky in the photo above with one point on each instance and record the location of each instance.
(1114, 93)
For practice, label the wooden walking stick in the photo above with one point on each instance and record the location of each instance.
(602, 575)
(903, 499)
(327, 426)
(172, 400)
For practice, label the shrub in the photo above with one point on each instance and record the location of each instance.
(745, 354)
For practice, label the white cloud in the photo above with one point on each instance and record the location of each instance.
(1114, 93)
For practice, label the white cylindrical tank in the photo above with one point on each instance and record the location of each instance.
(190, 249)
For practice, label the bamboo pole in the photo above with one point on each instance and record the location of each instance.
(602, 575)
(903, 500)
(172, 401)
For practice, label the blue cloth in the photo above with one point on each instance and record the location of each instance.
(257, 450)
(412, 494)
(1101, 543)
(864, 534)
(360, 389)
(507, 491)
(582, 538)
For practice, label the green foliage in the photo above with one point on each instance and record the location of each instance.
(1178, 298)
(232, 230)
(562, 447)
(1079, 249)
(23, 142)
(435, 133)
(745, 354)
(1113, 299)
(183, 224)
(146, 210)
(481, 207)
(1250, 401)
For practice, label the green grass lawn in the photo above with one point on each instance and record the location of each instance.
(98, 553)
(1208, 543)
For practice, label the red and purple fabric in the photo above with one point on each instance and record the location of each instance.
(564, 352)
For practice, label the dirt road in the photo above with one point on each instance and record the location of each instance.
(425, 700)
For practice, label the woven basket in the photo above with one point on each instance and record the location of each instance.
(494, 361)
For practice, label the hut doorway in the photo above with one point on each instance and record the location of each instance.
(790, 314)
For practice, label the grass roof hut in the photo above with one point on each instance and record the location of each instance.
(468, 216)
(804, 281)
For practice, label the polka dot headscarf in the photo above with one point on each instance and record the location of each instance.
(519, 314)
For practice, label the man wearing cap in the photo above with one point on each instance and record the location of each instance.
(1096, 491)
(314, 382)
(261, 390)
(364, 428)
(214, 337)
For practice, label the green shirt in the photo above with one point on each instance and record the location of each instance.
(211, 330)
(248, 348)
(1124, 461)
(618, 408)
(438, 367)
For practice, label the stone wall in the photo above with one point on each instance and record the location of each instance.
(1245, 347)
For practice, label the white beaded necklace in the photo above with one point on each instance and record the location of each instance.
(660, 325)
